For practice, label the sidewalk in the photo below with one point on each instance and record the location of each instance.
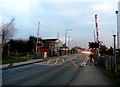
(91, 75)
(6, 66)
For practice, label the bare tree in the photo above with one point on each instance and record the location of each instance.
(7, 31)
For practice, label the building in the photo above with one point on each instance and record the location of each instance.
(50, 47)
(64, 49)
(78, 49)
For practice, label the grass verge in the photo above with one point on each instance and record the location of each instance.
(10, 60)
(112, 76)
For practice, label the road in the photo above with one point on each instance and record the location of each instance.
(54, 71)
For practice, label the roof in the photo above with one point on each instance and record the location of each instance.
(50, 39)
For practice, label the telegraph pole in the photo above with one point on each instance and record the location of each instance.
(57, 43)
(66, 39)
(58, 35)
(94, 36)
(37, 47)
(117, 31)
(115, 52)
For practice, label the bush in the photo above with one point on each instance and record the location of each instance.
(36, 55)
(14, 59)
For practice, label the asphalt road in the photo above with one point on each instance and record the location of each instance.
(57, 71)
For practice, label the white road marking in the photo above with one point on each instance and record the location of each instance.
(63, 60)
(56, 61)
(74, 63)
(48, 61)
(85, 61)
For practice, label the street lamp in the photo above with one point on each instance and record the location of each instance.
(66, 35)
(117, 31)
(115, 52)
(66, 39)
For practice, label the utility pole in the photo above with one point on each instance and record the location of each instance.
(69, 44)
(115, 52)
(94, 36)
(3, 38)
(37, 47)
(1, 54)
(66, 39)
(57, 43)
(117, 31)
(58, 35)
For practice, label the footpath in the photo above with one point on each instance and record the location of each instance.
(92, 75)
(12, 65)
(6, 66)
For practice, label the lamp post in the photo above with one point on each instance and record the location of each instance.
(66, 39)
(115, 52)
(117, 31)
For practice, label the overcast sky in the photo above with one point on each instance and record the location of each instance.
(59, 15)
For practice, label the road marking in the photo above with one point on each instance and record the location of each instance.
(56, 61)
(84, 61)
(93, 60)
(74, 63)
(63, 60)
(48, 61)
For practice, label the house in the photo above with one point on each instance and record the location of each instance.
(64, 49)
(78, 49)
(50, 47)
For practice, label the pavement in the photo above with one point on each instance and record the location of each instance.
(12, 65)
(92, 75)
(6, 66)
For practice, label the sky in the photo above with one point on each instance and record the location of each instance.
(59, 15)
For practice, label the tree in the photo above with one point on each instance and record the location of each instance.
(32, 43)
(7, 31)
(23, 46)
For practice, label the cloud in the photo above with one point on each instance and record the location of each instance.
(59, 15)
(107, 38)
(17, 7)
(1, 18)
(79, 0)
(105, 8)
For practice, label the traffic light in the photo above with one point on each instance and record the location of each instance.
(96, 45)
(93, 45)
(39, 44)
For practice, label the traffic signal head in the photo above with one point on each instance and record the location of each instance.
(93, 45)
(96, 45)
(39, 44)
